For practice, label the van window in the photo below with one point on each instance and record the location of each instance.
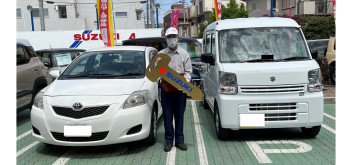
(207, 44)
(239, 45)
(213, 44)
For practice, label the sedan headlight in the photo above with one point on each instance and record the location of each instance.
(137, 98)
(315, 81)
(227, 83)
(38, 100)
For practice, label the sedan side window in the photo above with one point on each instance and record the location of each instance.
(22, 56)
(45, 57)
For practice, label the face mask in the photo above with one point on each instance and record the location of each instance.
(171, 42)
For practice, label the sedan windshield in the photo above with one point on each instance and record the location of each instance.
(113, 64)
(249, 45)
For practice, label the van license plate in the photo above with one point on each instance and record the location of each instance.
(252, 120)
(77, 130)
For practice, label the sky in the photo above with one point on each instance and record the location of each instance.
(165, 5)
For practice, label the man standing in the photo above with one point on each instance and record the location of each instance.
(173, 101)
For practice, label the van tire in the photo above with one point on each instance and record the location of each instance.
(150, 140)
(205, 103)
(311, 132)
(221, 133)
(333, 75)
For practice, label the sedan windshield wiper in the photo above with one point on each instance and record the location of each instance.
(130, 74)
(93, 75)
(294, 58)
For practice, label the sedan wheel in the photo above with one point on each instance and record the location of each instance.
(150, 140)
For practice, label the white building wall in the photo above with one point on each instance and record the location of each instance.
(86, 16)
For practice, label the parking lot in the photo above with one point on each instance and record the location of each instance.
(276, 146)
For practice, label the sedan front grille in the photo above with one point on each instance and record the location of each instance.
(86, 112)
(95, 137)
(272, 89)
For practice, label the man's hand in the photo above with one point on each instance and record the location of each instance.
(157, 60)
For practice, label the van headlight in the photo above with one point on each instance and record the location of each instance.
(136, 99)
(315, 81)
(227, 83)
(38, 100)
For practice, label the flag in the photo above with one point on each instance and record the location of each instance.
(334, 8)
(217, 4)
(174, 18)
(106, 22)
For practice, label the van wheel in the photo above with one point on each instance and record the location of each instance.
(150, 140)
(205, 103)
(221, 133)
(311, 132)
(333, 75)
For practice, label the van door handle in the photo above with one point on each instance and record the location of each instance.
(35, 69)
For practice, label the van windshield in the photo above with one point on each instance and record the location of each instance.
(242, 45)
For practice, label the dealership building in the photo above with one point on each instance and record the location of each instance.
(76, 15)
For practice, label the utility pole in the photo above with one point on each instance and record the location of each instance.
(147, 14)
(184, 17)
(152, 18)
(41, 15)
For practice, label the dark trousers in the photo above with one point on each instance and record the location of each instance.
(173, 104)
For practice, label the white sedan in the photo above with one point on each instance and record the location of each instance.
(103, 97)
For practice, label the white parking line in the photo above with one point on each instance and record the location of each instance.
(20, 152)
(329, 116)
(65, 157)
(328, 128)
(24, 135)
(171, 156)
(203, 159)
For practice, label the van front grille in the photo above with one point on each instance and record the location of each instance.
(280, 117)
(272, 89)
(273, 107)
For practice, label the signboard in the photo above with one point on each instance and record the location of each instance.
(106, 22)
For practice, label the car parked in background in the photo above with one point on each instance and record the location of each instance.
(331, 58)
(30, 74)
(191, 45)
(103, 97)
(57, 59)
(320, 45)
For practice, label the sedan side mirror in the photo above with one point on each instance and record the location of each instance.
(54, 73)
(314, 53)
(208, 58)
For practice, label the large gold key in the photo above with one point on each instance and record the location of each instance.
(163, 70)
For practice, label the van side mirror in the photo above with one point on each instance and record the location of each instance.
(314, 53)
(208, 58)
(54, 73)
(46, 64)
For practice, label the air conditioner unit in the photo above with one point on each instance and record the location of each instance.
(276, 10)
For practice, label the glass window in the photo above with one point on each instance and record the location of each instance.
(207, 44)
(62, 11)
(114, 64)
(239, 45)
(35, 12)
(193, 48)
(121, 14)
(213, 44)
(22, 55)
(18, 13)
(46, 58)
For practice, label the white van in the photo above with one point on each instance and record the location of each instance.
(259, 73)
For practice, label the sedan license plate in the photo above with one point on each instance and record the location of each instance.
(77, 130)
(252, 120)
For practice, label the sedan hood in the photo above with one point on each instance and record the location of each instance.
(271, 73)
(94, 87)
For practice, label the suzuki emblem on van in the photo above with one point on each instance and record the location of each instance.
(272, 79)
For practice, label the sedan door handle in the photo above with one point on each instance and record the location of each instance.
(35, 69)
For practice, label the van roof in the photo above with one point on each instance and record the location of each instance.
(254, 22)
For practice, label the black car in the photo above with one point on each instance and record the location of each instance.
(57, 58)
(191, 45)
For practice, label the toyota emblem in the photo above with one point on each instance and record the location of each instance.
(77, 106)
(272, 79)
